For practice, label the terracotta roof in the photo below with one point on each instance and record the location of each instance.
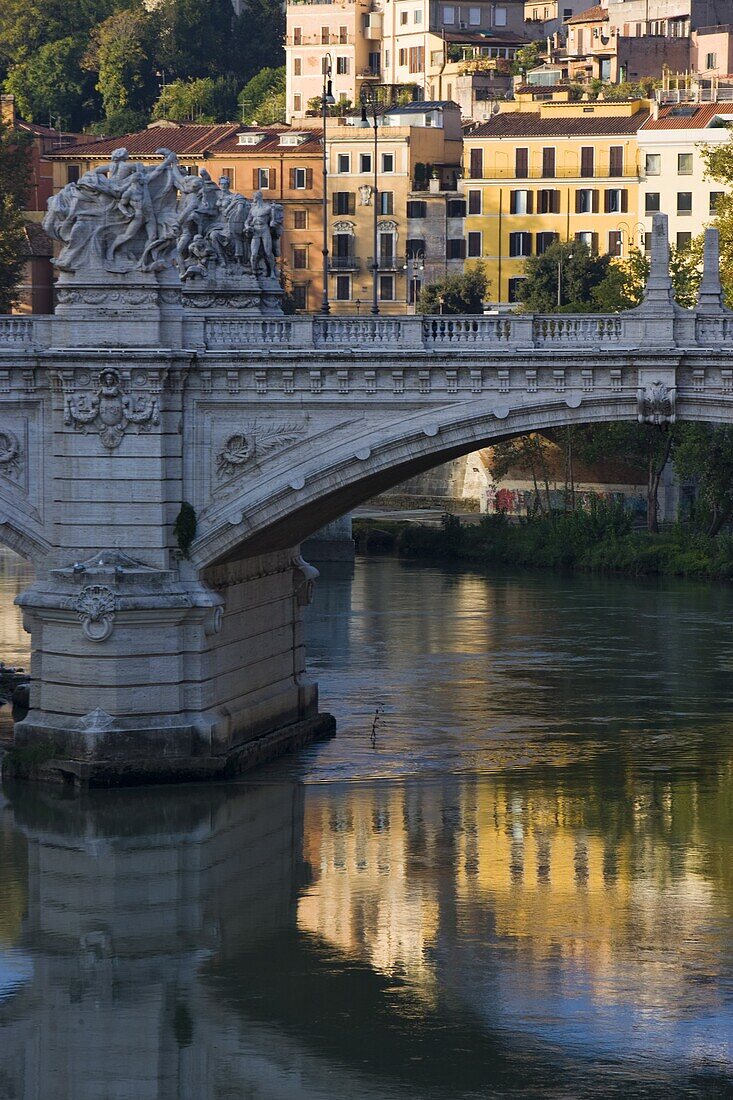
(596, 14)
(270, 144)
(688, 116)
(186, 139)
(526, 124)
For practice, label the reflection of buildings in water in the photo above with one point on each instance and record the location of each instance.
(15, 575)
(327, 620)
(439, 883)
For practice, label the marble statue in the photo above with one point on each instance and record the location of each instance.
(262, 224)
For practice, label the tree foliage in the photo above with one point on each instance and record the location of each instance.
(14, 183)
(262, 99)
(719, 166)
(120, 51)
(704, 454)
(205, 100)
(51, 86)
(568, 271)
(464, 293)
(194, 38)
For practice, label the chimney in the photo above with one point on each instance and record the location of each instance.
(8, 114)
(655, 109)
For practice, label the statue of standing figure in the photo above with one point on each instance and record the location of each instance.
(264, 226)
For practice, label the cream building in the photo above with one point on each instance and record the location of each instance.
(672, 170)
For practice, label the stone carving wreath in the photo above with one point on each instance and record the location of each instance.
(9, 452)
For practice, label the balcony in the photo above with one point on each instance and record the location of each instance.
(385, 263)
(344, 263)
(601, 172)
(318, 40)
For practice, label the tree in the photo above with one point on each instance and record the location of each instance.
(195, 38)
(456, 293)
(259, 37)
(52, 85)
(263, 98)
(120, 51)
(569, 271)
(719, 166)
(527, 57)
(704, 454)
(15, 176)
(205, 100)
(28, 25)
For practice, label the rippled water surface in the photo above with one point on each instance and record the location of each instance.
(509, 874)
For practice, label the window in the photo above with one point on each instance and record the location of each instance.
(417, 59)
(402, 57)
(263, 179)
(715, 197)
(386, 288)
(300, 258)
(567, 13)
(474, 202)
(548, 201)
(586, 201)
(403, 18)
(343, 162)
(300, 219)
(684, 202)
(521, 163)
(474, 244)
(342, 66)
(544, 240)
(386, 202)
(456, 208)
(590, 240)
(653, 164)
(343, 35)
(616, 200)
(344, 202)
(520, 244)
(299, 180)
(417, 209)
(297, 36)
(416, 248)
(300, 295)
(455, 248)
(499, 17)
(72, 173)
(521, 202)
(297, 67)
(615, 243)
(548, 163)
(449, 16)
(711, 61)
(515, 289)
(297, 103)
(388, 162)
(417, 16)
(343, 288)
(684, 240)
(684, 164)
(616, 160)
(365, 162)
(375, 63)
(587, 161)
(474, 17)
(325, 36)
(476, 169)
(651, 202)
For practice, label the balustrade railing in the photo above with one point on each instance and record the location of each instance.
(356, 331)
(466, 330)
(578, 330)
(246, 333)
(16, 330)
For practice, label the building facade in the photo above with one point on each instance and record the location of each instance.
(563, 172)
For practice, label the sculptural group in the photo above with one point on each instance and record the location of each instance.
(125, 216)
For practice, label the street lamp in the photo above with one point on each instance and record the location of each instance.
(415, 265)
(368, 97)
(327, 100)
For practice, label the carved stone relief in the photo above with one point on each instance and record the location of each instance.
(110, 412)
(657, 404)
(10, 452)
(244, 448)
(95, 606)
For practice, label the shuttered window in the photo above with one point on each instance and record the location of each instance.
(587, 161)
(616, 160)
(521, 163)
(344, 202)
(548, 163)
(477, 164)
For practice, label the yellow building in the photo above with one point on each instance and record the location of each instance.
(419, 210)
(553, 171)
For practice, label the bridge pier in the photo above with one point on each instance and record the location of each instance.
(141, 674)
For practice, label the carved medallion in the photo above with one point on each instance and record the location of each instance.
(241, 449)
(110, 412)
(9, 453)
(95, 606)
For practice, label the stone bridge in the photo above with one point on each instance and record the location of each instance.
(160, 464)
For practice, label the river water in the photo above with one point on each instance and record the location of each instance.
(510, 873)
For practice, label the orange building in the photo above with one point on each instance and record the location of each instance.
(282, 162)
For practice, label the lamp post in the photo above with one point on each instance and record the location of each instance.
(327, 100)
(415, 264)
(368, 97)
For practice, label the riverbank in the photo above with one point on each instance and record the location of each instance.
(600, 540)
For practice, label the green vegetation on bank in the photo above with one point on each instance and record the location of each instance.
(600, 539)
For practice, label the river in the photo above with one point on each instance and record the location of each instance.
(510, 873)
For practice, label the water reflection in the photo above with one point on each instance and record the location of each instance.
(530, 931)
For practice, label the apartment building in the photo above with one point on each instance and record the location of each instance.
(559, 171)
(398, 42)
(419, 212)
(284, 163)
(672, 171)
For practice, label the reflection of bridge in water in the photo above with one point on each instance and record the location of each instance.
(167, 640)
(273, 940)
